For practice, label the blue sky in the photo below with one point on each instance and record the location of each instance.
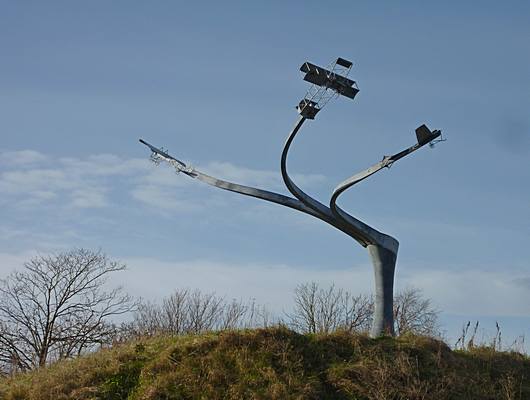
(216, 83)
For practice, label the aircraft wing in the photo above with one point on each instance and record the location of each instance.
(319, 76)
(161, 153)
(322, 77)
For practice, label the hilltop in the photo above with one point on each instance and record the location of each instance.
(277, 363)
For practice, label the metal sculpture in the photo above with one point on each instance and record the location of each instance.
(382, 248)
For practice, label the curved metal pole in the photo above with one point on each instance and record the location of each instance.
(355, 228)
(245, 190)
(383, 252)
(291, 186)
(257, 193)
(387, 162)
(377, 238)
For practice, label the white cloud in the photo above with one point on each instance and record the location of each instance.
(30, 179)
(82, 182)
(163, 199)
(33, 180)
(22, 157)
(89, 197)
(104, 165)
(164, 189)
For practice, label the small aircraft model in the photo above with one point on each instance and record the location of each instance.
(424, 135)
(160, 154)
(326, 84)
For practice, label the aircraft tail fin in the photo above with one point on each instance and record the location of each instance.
(424, 134)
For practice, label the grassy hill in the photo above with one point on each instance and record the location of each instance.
(277, 363)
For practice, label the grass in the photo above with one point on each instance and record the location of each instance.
(277, 363)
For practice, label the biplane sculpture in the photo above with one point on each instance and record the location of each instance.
(382, 248)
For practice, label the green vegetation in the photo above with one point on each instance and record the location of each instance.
(277, 363)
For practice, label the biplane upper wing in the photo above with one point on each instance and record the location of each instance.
(344, 63)
(322, 77)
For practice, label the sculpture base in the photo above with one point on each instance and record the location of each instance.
(384, 262)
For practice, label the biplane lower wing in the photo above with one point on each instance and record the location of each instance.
(349, 91)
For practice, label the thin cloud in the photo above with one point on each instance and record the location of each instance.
(30, 179)
(74, 182)
(89, 198)
(105, 165)
(164, 189)
(21, 158)
(163, 199)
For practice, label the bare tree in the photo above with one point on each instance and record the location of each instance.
(319, 310)
(148, 320)
(171, 317)
(174, 312)
(316, 310)
(57, 307)
(304, 316)
(194, 312)
(233, 315)
(414, 313)
(204, 311)
(358, 312)
(329, 309)
(258, 316)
